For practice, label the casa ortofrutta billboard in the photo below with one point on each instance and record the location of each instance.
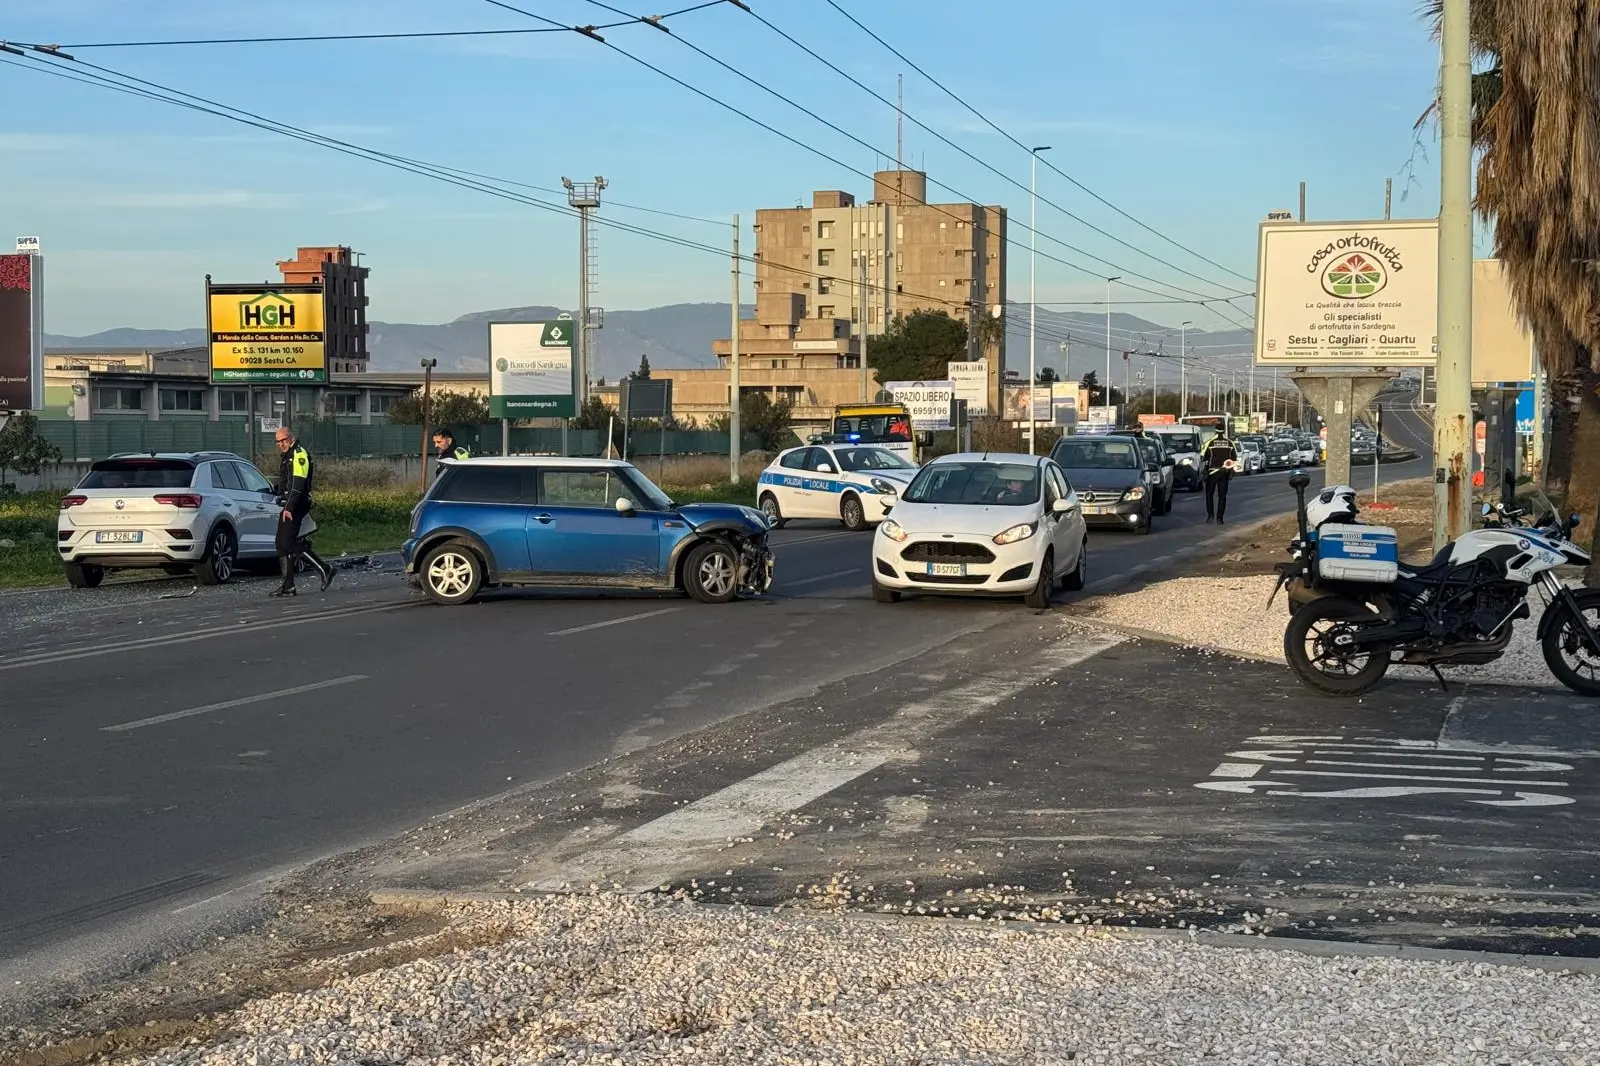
(1348, 294)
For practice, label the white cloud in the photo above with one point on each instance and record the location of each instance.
(44, 142)
(188, 201)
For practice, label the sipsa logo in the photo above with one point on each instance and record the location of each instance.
(267, 311)
(1354, 277)
(502, 364)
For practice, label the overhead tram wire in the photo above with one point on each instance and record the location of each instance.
(413, 166)
(1049, 165)
(858, 83)
(78, 47)
(839, 162)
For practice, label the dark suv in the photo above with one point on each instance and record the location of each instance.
(578, 523)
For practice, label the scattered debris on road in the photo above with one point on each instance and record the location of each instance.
(605, 979)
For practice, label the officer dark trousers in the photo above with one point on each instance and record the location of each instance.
(288, 545)
(1217, 494)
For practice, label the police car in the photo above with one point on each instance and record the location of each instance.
(849, 482)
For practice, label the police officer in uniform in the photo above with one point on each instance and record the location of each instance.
(1218, 458)
(445, 443)
(296, 480)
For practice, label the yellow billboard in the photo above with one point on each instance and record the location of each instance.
(262, 335)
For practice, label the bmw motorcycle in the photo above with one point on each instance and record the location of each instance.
(1349, 624)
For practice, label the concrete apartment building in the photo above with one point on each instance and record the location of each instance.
(896, 254)
(344, 301)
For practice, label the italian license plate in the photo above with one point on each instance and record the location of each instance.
(948, 569)
(1094, 508)
(119, 536)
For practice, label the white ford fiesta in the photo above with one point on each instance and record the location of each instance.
(986, 524)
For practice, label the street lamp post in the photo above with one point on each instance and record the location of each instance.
(1108, 339)
(1183, 368)
(1033, 295)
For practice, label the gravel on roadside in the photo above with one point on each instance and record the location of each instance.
(607, 979)
(1229, 614)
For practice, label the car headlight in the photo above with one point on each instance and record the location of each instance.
(1135, 493)
(885, 487)
(891, 529)
(1016, 533)
(1185, 462)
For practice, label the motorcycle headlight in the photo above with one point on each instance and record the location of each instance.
(891, 529)
(1135, 493)
(885, 487)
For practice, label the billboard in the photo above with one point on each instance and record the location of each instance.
(1525, 411)
(1064, 400)
(927, 401)
(1157, 420)
(1017, 398)
(971, 383)
(21, 333)
(645, 397)
(266, 335)
(530, 369)
(1347, 293)
(1502, 347)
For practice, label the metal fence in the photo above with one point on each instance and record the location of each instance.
(95, 440)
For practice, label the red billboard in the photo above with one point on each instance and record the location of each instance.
(21, 333)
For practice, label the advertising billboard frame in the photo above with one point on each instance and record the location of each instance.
(1357, 257)
(929, 413)
(22, 370)
(306, 345)
(541, 404)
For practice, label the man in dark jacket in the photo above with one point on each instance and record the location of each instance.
(1218, 459)
(444, 443)
(296, 481)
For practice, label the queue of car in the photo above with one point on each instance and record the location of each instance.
(987, 524)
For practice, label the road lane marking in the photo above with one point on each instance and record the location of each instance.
(1386, 769)
(260, 697)
(644, 857)
(612, 622)
(786, 543)
(824, 577)
(250, 628)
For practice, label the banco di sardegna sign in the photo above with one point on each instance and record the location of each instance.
(1348, 293)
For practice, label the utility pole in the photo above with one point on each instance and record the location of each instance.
(735, 430)
(1033, 294)
(1452, 417)
(1108, 336)
(865, 312)
(1183, 368)
(1066, 359)
(427, 413)
(584, 196)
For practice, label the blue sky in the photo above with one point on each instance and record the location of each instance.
(1195, 119)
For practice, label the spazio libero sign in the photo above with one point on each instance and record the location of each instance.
(1348, 294)
(266, 335)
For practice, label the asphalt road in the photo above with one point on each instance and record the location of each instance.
(166, 752)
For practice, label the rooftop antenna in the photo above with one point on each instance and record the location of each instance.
(900, 122)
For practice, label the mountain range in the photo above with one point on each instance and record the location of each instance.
(680, 335)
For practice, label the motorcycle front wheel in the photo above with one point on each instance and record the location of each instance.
(1317, 644)
(1566, 649)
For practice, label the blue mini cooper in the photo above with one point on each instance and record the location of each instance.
(578, 523)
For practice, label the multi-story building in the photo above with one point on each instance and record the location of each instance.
(344, 295)
(894, 255)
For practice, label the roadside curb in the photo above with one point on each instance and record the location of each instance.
(427, 901)
(1091, 622)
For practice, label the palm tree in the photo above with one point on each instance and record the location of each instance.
(1536, 126)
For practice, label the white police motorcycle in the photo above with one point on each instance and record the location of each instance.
(1355, 608)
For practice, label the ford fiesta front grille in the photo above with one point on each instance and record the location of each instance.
(936, 551)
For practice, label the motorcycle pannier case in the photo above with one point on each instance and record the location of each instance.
(1358, 553)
